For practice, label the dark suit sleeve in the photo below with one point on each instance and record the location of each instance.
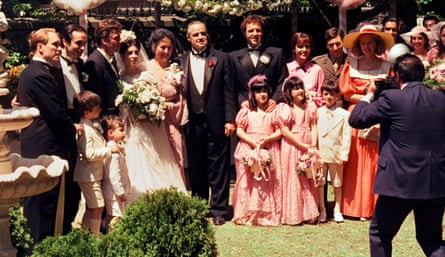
(51, 106)
(365, 114)
(283, 75)
(230, 94)
(93, 78)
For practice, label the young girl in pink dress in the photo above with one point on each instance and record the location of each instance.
(257, 193)
(297, 119)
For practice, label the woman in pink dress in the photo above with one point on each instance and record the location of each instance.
(297, 119)
(257, 193)
(169, 78)
(302, 67)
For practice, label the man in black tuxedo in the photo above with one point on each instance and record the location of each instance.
(52, 132)
(101, 65)
(211, 101)
(71, 79)
(411, 165)
(257, 58)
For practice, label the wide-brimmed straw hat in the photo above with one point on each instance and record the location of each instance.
(350, 39)
(435, 30)
(416, 30)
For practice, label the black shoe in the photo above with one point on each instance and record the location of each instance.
(219, 220)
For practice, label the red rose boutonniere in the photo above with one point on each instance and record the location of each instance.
(212, 62)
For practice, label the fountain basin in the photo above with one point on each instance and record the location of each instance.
(31, 176)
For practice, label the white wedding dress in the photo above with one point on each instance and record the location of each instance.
(150, 160)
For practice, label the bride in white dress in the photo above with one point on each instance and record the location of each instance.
(150, 159)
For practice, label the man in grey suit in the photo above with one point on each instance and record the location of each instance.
(411, 165)
(211, 100)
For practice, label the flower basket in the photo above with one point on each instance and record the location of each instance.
(308, 163)
(259, 162)
(308, 173)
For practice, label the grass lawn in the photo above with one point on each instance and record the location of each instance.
(349, 239)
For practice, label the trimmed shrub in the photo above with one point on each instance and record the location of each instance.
(78, 242)
(20, 232)
(163, 223)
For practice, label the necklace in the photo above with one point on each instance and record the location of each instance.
(368, 66)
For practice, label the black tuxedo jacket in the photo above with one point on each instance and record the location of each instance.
(102, 80)
(270, 63)
(53, 131)
(219, 90)
(83, 79)
(411, 162)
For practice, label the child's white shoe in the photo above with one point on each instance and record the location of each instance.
(338, 217)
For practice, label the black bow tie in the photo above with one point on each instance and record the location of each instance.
(202, 54)
(68, 61)
(253, 49)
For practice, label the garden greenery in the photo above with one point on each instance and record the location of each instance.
(162, 223)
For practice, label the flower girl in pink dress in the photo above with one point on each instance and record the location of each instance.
(257, 193)
(297, 119)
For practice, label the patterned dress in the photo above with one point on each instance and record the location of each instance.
(300, 201)
(256, 201)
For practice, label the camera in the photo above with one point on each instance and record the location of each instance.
(388, 83)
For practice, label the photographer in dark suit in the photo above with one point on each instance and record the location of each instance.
(411, 164)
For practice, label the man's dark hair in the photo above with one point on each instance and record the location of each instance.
(410, 68)
(389, 19)
(430, 18)
(252, 18)
(333, 33)
(104, 29)
(67, 31)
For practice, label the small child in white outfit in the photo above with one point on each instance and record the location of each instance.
(334, 142)
(116, 183)
(93, 152)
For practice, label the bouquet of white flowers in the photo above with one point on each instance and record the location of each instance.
(174, 74)
(144, 99)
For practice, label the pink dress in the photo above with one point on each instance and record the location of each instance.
(300, 201)
(256, 202)
(177, 113)
(312, 76)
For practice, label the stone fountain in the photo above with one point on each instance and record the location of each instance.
(20, 177)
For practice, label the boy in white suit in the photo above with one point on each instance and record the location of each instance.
(334, 141)
(93, 152)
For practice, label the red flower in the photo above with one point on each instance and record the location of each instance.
(211, 63)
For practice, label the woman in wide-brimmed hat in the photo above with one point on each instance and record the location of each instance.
(419, 40)
(438, 36)
(361, 70)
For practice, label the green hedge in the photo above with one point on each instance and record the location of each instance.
(163, 223)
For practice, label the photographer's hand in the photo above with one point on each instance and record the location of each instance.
(369, 91)
(371, 87)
